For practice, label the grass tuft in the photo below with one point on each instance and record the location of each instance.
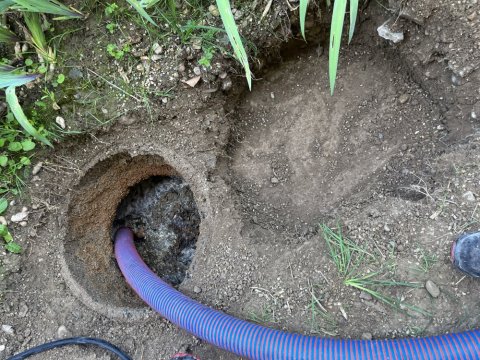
(349, 258)
(346, 255)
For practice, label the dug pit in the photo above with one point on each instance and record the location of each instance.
(142, 192)
(163, 215)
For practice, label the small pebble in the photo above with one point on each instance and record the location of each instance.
(37, 168)
(2, 348)
(403, 98)
(212, 9)
(181, 68)
(432, 288)
(227, 84)
(155, 57)
(386, 228)
(367, 336)
(8, 329)
(23, 223)
(197, 289)
(469, 196)
(157, 49)
(365, 296)
(274, 180)
(60, 121)
(22, 312)
(472, 16)
(19, 217)
(127, 120)
(3, 221)
(197, 71)
(63, 332)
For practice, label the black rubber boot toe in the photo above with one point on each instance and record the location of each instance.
(465, 254)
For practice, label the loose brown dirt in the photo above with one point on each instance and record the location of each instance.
(392, 157)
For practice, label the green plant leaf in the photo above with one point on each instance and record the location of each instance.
(53, 7)
(28, 145)
(138, 6)
(13, 247)
(14, 146)
(3, 205)
(5, 4)
(7, 37)
(234, 37)
(60, 78)
(3, 160)
(7, 236)
(3, 230)
(336, 29)
(16, 109)
(9, 77)
(36, 36)
(353, 18)
(25, 161)
(303, 15)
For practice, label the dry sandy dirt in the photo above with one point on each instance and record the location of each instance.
(393, 157)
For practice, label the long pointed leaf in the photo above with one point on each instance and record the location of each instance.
(336, 29)
(353, 18)
(7, 37)
(47, 7)
(138, 6)
(9, 78)
(5, 4)
(303, 15)
(234, 37)
(36, 36)
(16, 109)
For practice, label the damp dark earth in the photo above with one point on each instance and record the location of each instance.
(163, 215)
(236, 196)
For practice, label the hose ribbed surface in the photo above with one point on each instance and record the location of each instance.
(257, 342)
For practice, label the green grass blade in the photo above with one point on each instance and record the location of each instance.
(138, 6)
(53, 7)
(5, 4)
(7, 37)
(353, 18)
(10, 78)
(37, 37)
(336, 29)
(234, 37)
(16, 109)
(303, 15)
(148, 3)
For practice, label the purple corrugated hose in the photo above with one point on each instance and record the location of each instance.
(257, 342)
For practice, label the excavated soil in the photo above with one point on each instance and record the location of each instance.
(393, 157)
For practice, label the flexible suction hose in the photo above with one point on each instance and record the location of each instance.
(260, 343)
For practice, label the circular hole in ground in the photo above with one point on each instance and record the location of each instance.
(146, 193)
(162, 213)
